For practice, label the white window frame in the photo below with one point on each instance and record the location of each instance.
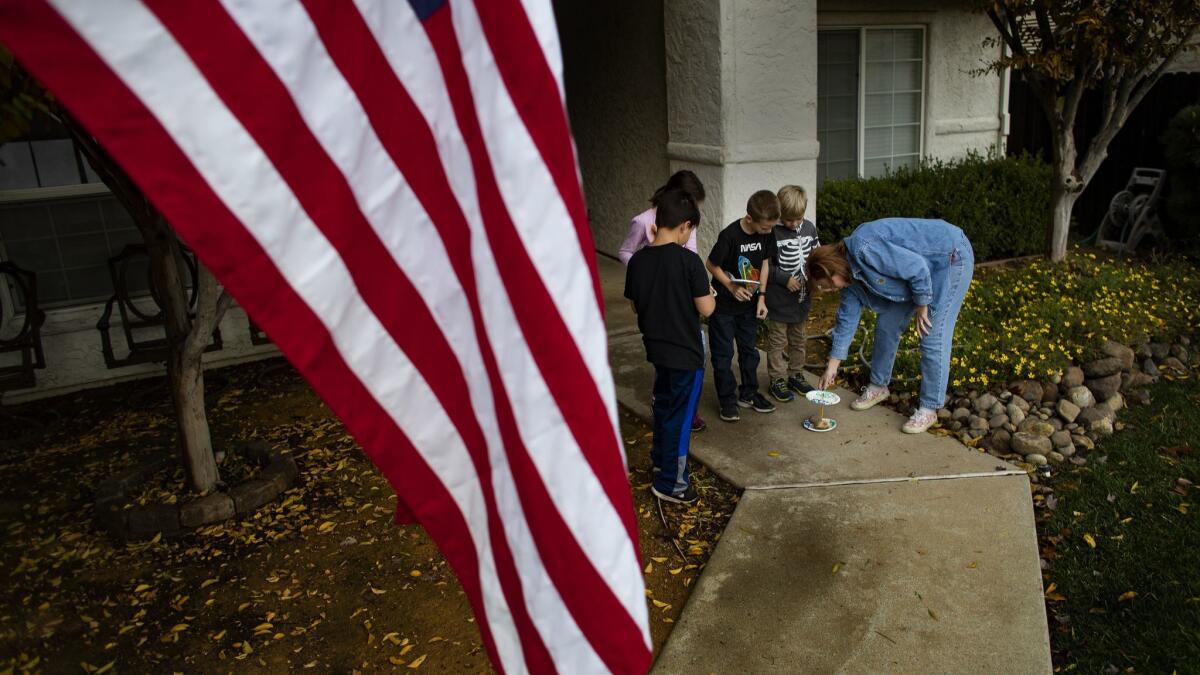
(862, 83)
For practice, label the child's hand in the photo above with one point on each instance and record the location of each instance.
(762, 308)
(740, 293)
(794, 285)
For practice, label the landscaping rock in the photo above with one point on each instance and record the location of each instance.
(1014, 412)
(1114, 402)
(961, 414)
(1049, 393)
(1072, 426)
(1173, 363)
(1066, 450)
(1104, 387)
(1094, 413)
(956, 425)
(1120, 352)
(253, 493)
(1081, 396)
(1043, 429)
(1024, 443)
(1179, 352)
(1036, 459)
(147, 520)
(977, 423)
(984, 403)
(1102, 367)
(1143, 352)
(944, 415)
(1082, 442)
(1020, 403)
(1056, 457)
(998, 421)
(1068, 410)
(1030, 390)
(996, 409)
(1056, 423)
(208, 509)
(1150, 369)
(1000, 441)
(1101, 427)
(1136, 380)
(1060, 438)
(1073, 377)
(1159, 350)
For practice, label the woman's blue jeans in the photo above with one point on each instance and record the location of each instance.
(951, 279)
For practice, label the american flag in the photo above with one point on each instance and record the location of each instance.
(389, 188)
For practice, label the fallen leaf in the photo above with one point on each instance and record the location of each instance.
(1127, 595)
(1091, 541)
(772, 454)
(326, 526)
(376, 591)
(418, 661)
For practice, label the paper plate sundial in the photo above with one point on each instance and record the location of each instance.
(820, 422)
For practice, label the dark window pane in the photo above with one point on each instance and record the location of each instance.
(89, 282)
(115, 215)
(55, 162)
(36, 255)
(16, 166)
(18, 223)
(85, 250)
(76, 217)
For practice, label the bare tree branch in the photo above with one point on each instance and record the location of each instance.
(1043, 22)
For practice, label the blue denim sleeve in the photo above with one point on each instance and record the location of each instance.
(848, 314)
(901, 263)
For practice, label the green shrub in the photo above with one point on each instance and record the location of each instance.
(1181, 143)
(1002, 204)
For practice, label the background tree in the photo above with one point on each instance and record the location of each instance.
(188, 329)
(1063, 48)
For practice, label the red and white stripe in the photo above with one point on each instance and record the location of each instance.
(396, 202)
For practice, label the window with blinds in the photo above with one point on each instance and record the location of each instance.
(870, 100)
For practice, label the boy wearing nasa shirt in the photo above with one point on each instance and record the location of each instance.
(739, 264)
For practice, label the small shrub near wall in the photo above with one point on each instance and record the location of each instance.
(1003, 204)
(1181, 142)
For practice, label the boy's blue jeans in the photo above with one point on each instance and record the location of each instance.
(950, 284)
(676, 393)
(724, 329)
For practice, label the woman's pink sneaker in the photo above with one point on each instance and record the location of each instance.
(920, 421)
(874, 394)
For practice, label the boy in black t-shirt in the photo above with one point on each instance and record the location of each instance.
(738, 262)
(667, 287)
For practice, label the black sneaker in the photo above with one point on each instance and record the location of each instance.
(758, 402)
(698, 424)
(799, 385)
(730, 413)
(689, 495)
(779, 389)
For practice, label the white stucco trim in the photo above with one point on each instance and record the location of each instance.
(743, 154)
(58, 192)
(966, 125)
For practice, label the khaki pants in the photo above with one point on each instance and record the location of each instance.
(783, 337)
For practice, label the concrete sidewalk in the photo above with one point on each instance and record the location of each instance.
(863, 550)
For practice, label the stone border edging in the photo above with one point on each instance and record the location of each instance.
(278, 472)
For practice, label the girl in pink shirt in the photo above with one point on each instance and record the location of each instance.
(641, 228)
(641, 232)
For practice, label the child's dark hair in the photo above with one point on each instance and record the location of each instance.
(763, 205)
(676, 207)
(681, 180)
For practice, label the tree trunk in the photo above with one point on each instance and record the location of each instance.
(1062, 201)
(186, 377)
(1064, 190)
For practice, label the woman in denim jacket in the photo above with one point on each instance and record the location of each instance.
(897, 267)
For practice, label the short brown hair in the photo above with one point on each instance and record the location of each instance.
(826, 261)
(793, 202)
(763, 205)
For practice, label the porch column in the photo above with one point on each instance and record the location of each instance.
(742, 99)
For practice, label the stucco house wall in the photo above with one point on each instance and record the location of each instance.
(614, 67)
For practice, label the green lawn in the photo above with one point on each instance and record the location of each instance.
(1124, 543)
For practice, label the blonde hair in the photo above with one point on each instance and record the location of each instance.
(793, 202)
